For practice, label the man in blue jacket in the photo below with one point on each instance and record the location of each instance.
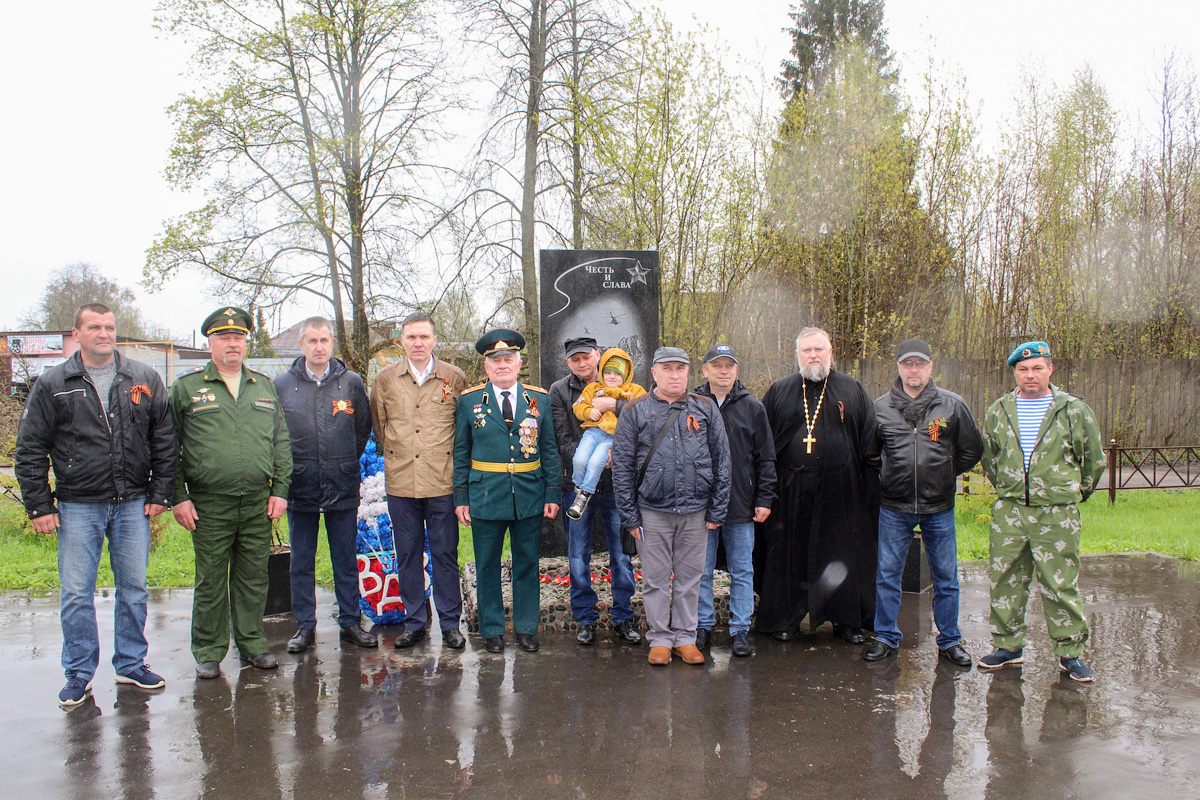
(752, 466)
(670, 496)
(329, 421)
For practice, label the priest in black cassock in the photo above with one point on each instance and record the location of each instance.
(816, 555)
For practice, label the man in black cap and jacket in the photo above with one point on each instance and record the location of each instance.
(583, 359)
(925, 437)
(752, 466)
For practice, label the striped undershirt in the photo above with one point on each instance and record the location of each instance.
(1030, 414)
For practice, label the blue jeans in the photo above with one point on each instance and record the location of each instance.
(591, 456)
(579, 554)
(341, 528)
(739, 552)
(82, 529)
(941, 545)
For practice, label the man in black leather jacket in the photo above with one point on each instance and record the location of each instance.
(103, 423)
(925, 437)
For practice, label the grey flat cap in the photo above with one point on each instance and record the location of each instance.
(663, 354)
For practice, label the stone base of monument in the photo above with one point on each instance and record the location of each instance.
(555, 577)
(917, 577)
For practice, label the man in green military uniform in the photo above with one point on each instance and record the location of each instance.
(506, 478)
(235, 465)
(1043, 452)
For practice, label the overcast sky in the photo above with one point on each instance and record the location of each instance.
(85, 133)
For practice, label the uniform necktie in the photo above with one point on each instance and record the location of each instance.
(507, 408)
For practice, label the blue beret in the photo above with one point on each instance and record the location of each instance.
(1029, 350)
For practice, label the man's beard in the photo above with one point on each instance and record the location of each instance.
(815, 372)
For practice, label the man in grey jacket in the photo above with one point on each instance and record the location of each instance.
(670, 496)
(925, 437)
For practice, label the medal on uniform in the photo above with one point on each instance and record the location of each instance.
(533, 405)
(446, 390)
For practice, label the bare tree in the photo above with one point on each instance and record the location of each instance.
(307, 140)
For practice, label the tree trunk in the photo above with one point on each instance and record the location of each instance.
(529, 280)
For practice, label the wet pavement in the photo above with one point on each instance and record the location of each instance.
(808, 718)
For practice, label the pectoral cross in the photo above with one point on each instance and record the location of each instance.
(809, 440)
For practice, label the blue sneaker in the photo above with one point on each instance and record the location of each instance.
(1076, 669)
(142, 678)
(1000, 657)
(75, 692)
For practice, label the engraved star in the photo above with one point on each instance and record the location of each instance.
(639, 273)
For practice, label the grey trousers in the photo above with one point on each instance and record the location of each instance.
(672, 543)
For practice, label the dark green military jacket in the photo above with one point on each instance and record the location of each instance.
(226, 446)
(503, 472)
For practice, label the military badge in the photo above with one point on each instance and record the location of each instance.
(533, 405)
(343, 407)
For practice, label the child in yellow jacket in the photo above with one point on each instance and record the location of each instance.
(591, 456)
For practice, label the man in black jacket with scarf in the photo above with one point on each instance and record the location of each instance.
(925, 437)
(752, 465)
(329, 421)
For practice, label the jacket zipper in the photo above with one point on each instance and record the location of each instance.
(1041, 435)
(112, 462)
(916, 498)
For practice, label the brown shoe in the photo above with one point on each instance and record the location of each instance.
(660, 656)
(690, 654)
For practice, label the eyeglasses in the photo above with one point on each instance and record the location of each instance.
(913, 363)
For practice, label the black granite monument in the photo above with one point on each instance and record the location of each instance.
(610, 295)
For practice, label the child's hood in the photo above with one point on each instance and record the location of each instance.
(617, 353)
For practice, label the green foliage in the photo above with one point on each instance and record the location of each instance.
(79, 284)
(305, 136)
(822, 28)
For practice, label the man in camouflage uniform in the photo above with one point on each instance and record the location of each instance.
(1043, 453)
(235, 468)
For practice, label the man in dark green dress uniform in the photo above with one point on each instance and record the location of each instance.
(235, 466)
(506, 478)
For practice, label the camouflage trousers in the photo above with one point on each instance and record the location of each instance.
(1042, 539)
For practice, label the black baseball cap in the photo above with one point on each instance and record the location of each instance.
(720, 351)
(913, 348)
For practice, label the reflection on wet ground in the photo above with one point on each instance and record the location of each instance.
(808, 718)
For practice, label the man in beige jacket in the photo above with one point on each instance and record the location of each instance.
(412, 406)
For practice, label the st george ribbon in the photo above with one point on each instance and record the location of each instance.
(609, 295)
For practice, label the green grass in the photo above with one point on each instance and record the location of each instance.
(1163, 521)
(29, 560)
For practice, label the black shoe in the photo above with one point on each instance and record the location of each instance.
(453, 638)
(627, 634)
(741, 645)
(260, 660)
(494, 644)
(411, 637)
(956, 654)
(849, 635)
(528, 642)
(355, 634)
(702, 637)
(587, 634)
(303, 640)
(208, 669)
(783, 636)
(878, 651)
